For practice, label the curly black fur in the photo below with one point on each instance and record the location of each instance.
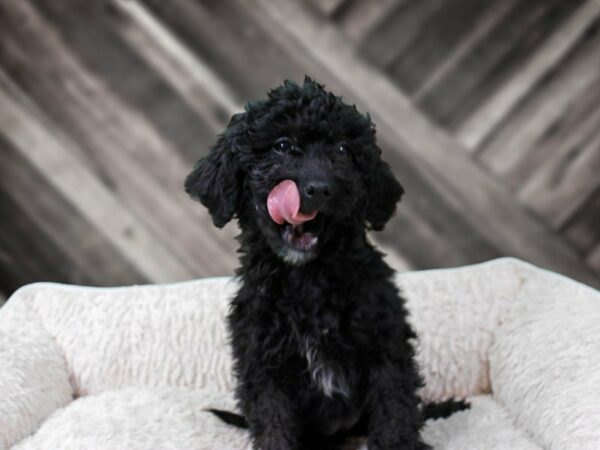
(319, 335)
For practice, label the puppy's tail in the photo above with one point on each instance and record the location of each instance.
(437, 410)
(230, 418)
(440, 410)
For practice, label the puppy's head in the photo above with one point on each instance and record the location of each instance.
(301, 168)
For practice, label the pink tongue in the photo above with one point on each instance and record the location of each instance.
(283, 204)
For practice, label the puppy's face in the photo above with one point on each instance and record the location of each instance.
(301, 168)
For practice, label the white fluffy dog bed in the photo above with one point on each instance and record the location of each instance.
(133, 368)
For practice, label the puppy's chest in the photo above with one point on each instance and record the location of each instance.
(323, 337)
(326, 369)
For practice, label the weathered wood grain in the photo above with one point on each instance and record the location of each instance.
(475, 32)
(523, 134)
(503, 52)
(93, 33)
(436, 38)
(24, 260)
(453, 229)
(329, 7)
(67, 246)
(53, 156)
(428, 230)
(146, 171)
(358, 17)
(128, 93)
(583, 228)
(245, 56)
(594, 258)
(567, 181)
(426, 244)
(396, 30)
(484, 119)
(193, 79)
(484, 203)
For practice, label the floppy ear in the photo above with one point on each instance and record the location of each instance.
(383, 191)
(216, 179)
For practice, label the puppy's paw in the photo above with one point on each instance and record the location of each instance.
(398, 445)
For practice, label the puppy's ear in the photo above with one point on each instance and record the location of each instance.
(216, 179)
(383, 191)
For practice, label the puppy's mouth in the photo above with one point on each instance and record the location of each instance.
(298, 230)
(302, 237)
(299, 242)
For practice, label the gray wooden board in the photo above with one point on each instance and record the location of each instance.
(483, 202)
(436, 38)
(495, 109)
(134, 123)
(119, 143)
(594, 258)
(491, 62)
(329, 7)
(583, 228)
(358, 17)
(570, 179)
(245, 55)
(92, 31)
(25, 260)
(537, 129)
(396, 30)
(63, 244)
(432, 232)
(468, 244)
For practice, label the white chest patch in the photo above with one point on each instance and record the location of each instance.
(322, 374)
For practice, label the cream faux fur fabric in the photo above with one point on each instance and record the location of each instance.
(134, 367)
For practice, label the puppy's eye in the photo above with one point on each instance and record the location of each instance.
(283, 145)
(342, 149)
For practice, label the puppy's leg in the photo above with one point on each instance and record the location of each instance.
(271, 415)
(394, 418)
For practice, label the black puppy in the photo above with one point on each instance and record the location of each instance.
(319, 333)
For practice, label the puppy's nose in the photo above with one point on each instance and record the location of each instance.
(317, 191)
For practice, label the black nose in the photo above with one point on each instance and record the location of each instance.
(317, 191)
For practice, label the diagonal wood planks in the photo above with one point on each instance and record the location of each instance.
(485, 203)
(130, 93)
(48, 153)
(144, 171)
(481, 123)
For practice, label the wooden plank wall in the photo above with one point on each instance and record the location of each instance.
(486, 111)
